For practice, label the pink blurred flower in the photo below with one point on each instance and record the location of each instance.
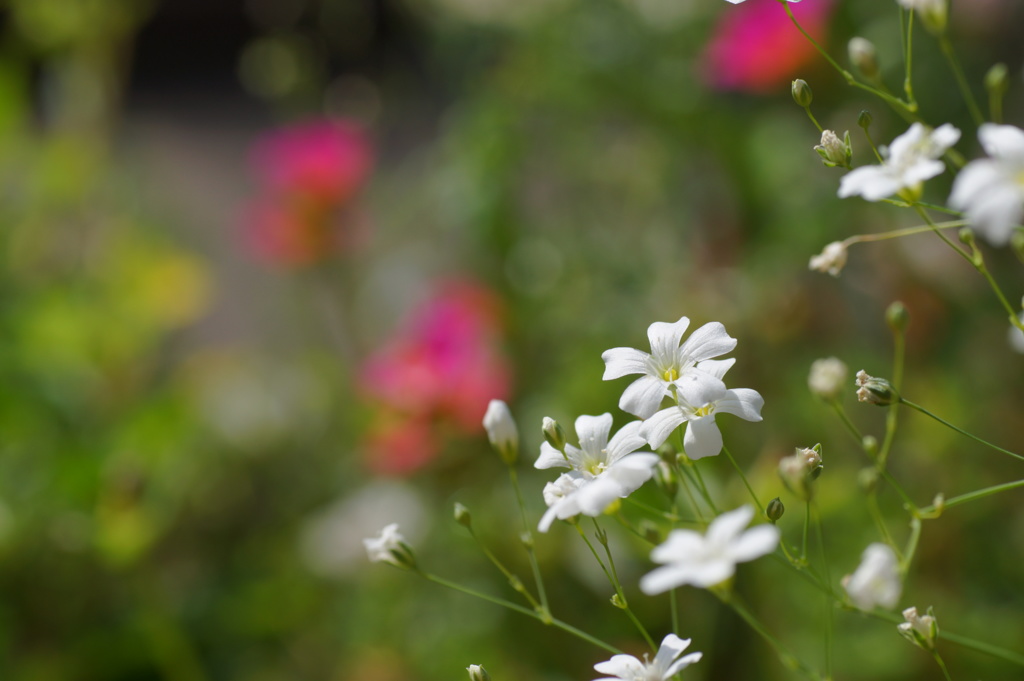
(325, 161)
(756, 48)
(309, 174)
(445, 362)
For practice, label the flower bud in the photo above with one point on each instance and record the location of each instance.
(920, 630)
(831, 259)
(896, 316)
(478, 673)
(827, 379)
(934, 14)
(966, 236)
(864, 119)
(867, 478)
(875, 390)
(800, 470)
(553, 433)
(863, 56)
(801, 92)
(390, 547)
(463, 516)
(775, 510)
(834, 151)
(502, 431)
(997, 80)
(870, 445)
(666, 478)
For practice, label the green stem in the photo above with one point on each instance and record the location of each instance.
(901, 107)
(942, 665)
(743, 477)
(614, 577)
(551, 621)
(908, 44)
(961, 81)
(915, 536)
(807, 526)
(905, 231)
(787, 658)
(853, 430)
(830, 614)
(958, 429)
(513, 580)
(704, 489)
(971, 496)
(674, 609)
(534, 566)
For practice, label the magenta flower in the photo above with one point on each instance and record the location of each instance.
(323, 161)
(756, 48)
(444, 364)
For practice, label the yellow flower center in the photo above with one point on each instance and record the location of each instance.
(705, 410)
(670, 374)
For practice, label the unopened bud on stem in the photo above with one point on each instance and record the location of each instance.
(875, 390)
(801, 92)
(478, 673)
(863, 56)
(502, 431)
(553, 433)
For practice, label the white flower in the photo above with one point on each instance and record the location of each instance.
(831, 259)
(387, 546)
(699, 399)
(932, 12)
(834, 151)
(478, 673)
(911, 159)
(708, 559)
(602, 470)
(990, 191)
(668, 662)
(827, 379)
(502, 431)
(876, 582)
(736, 2)
(1017, 336)
(920, 630)
(668, 362)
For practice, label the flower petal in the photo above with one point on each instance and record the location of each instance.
(665, 337)
(619, 362)
(622, 666)
(660, 426)
(716, 367)
(626, 441)
(702, 438)
(643, 396)
(710, 340)
(550, 458)
(592, 432)
(724, 529)
(685, 661)
(671, 648)
(742, 402)
(754, 543)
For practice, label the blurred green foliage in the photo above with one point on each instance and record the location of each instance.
(168, 501)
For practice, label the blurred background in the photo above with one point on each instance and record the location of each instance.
(266, 261)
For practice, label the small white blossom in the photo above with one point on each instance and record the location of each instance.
(698, 401)
(384, 547)
(933, 13)
(911, 159)
(831, 259)
(920, 630)
(990, 191)
(827, 379)
(478, 673)
(876, 581)
(668, 662)
(736, 2)
(834, 151)
(667, 362)
(502, 431)
(602, 470)
(704, 560)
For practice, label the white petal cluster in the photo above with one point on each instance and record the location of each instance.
(911, 159)
(876, 581)
(699, 400)
(501, 430)
(382, 548)
(601, 470)
(668, 662)
(705, 560)
(990, 191)
(832, 259)
(667, 363)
